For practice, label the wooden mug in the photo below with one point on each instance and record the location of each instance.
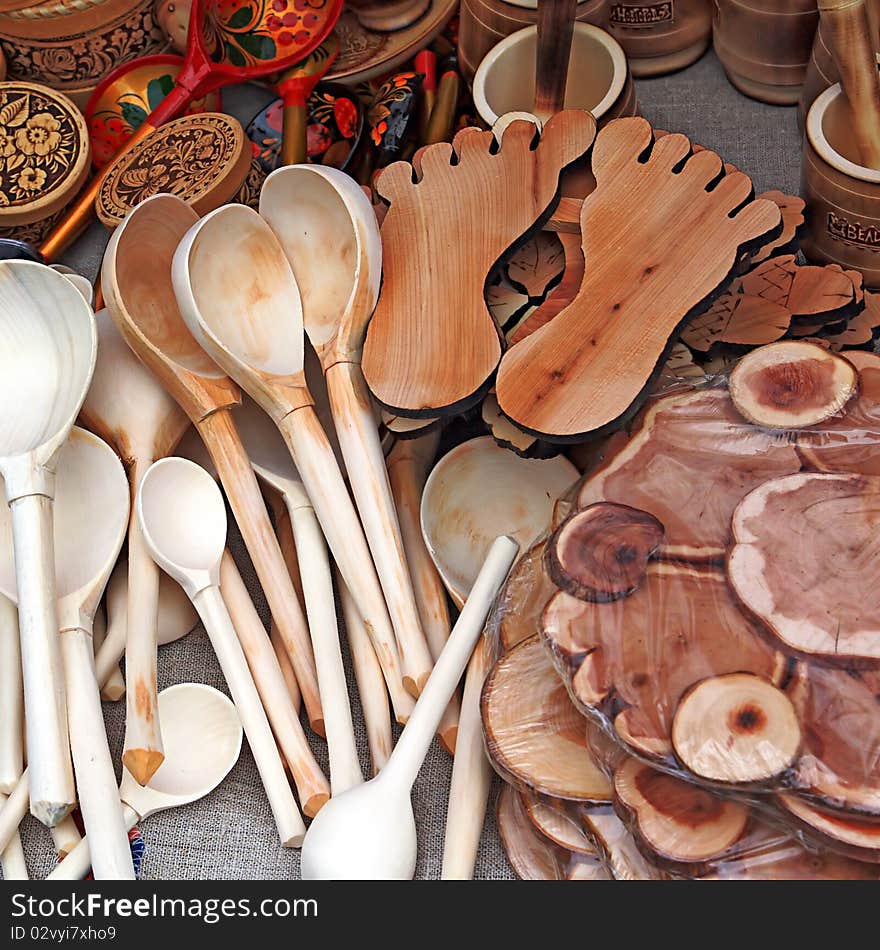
(598, 76)
(764, 45)
(843, 197)
(661, 37)
(484, 23)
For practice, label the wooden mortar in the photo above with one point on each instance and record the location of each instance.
(661, 37)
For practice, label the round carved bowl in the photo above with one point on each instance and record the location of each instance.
(71, 45)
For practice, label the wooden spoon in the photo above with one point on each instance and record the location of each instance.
(91, 503)
(202, 734)
(12, 860)
(847, 30)
(11, 699)
(369, 832)
(555, 29)
(183, 518)
(475, 492)
(113, 687)
(136, 276)
(128, 408)
(274, 466)
(238, 295)
(311, 210)
(47, 334)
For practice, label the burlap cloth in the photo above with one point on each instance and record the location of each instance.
(230, 834)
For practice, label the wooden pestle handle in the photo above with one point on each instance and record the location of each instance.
(555, 29)
(847, 30)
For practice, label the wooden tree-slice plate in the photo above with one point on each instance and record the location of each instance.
(537, 264)
(583, 867)
(678, 227)
(506, 304)
(522, 600)
(534, 735)
(432, 345)
(555, 824)
(618, 847)
(851, 837)
(641, 654)
(532, 857)
(806, 550)
(690, 461)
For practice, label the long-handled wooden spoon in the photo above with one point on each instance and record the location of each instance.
(136, 276)
(274, 466)
(12, 856)
(11, 699)
(369, 833)
(91, 516)
(113, 687)
(48, 342)
(555, 28)
(202, 734)
(847, 29)
(316, 211)
(238, 295)
(128, 408)
(183, 518)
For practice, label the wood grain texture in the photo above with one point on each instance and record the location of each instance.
(633, 299)
(432, 345)
(555, 27)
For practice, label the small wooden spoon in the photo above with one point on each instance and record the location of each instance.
(128, 408)
(47, 336)
(92, 503)
(11, 699)
(183, 517)
(312, 211)
(238, 295)
(369, 833)
(274, 466)
(555, 28)
(136, 276)
(202, 734)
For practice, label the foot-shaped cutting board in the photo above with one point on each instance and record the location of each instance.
(661, 233)
(432, 345)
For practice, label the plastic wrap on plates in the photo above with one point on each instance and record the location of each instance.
(711, 599)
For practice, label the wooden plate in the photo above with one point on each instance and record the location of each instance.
(203, 159)
(365, 54)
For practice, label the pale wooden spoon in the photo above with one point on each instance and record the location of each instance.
(202, 734)
(274, 466)
(113, 687)
(128, 408)
(238, 295)
(11, 699)
(91, 517)
(136, 276)
(320, 213)
(48, 342)
(475, 492)
(183, 518)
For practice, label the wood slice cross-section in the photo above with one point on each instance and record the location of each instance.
(690, 461)
(532, 857)
(554, 823)
(678, 225)
(432, 345)
(791, 385)
(806, 561)
(522, 599)
(534, 735)
(852, 837)
(641, 654)
(537, 264)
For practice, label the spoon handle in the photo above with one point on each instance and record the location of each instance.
(12, 856)
(222, 440)
(143, 737)
(311, 784)
(13, 810)
(555, 28)
(317, 580)
(320, 473)
(358, 434)
(78, 863)
(215, 617)
(411, 748)
(48, 746)
(65, 836)
(95, 778)
(11, 699)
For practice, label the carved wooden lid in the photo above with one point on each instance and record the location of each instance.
(203, 159)
(44, 152)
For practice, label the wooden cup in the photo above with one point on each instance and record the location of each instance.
(843, 197)
(598, 77)
(485, 23)
(764, 45)
(661, 37)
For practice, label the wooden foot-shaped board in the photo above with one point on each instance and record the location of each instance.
(661, 233)
(432, 345)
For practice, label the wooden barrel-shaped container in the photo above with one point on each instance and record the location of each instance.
(764, 45)
(661, 37)
(843, 197)
(71, 45)
(484, 23)
(821, 70)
